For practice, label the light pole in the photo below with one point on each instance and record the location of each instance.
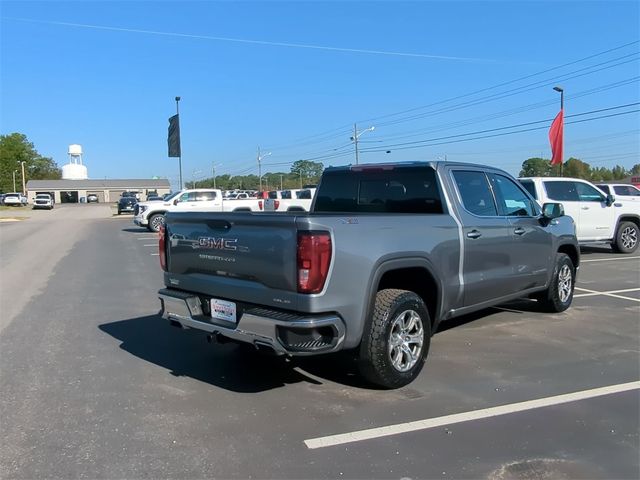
(281, 188)
(259, 157)
(24, 188)
(179, 156)
(14, 180)
(561, 90)
(357, 134)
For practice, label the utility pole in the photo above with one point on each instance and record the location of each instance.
(281, 188)
(213, 173)
(357, 134)
(24, 188)
(14, 180)
(355, 140)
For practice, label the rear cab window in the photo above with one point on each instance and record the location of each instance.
(561, 191)
(529, 187)
(381, 189)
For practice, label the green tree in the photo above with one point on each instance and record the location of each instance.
(618, 172)
(535, 167)
(307, 170)
(16, 148)
(635, 170)
(601, 174)
(577, 169)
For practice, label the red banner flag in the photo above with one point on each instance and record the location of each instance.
(555, 137)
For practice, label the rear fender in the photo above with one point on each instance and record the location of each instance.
(384, 266)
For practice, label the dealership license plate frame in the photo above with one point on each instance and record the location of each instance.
(223, 310)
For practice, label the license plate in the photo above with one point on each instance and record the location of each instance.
(223, 310)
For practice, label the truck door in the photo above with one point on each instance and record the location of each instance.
(585, 204)
(596, 217)
(487, 240)
(531, 250)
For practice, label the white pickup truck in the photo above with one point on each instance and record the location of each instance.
(289, 200)
(151, 214)
(599, 217)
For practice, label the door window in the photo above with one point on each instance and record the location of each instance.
(475, 193)
(204, 196)
(512, 201)
(587, 193)
(626, 191)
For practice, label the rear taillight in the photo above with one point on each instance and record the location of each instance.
(276, 204)
(314, 258)
(162, 251)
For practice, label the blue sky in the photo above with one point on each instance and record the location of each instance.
(93, 73)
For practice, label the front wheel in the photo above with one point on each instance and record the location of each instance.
(395, 345)
(155, 222)
(558, 297)
(626, 240)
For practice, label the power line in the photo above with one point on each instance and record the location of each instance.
(493, 87)
(510, 82)
(502, 134)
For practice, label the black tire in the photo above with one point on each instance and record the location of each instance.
(627, 238)
(375, 357)
(155, 221)
(119, 212)
(558, 297)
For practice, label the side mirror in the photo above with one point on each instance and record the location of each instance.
(609, 200)
(552, 210)
(175, 202)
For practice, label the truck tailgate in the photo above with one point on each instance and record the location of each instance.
(255, 247)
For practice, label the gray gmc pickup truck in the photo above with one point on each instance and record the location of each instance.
(385, 254)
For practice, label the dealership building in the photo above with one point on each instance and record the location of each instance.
(75, 185)
(73, 191)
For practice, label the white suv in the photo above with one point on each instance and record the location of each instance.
(599, 217)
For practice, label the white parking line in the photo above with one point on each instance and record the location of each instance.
(154, 254)
(607, 259)
(612, 293)
(147, 238)
(150, 245)
(379, 432)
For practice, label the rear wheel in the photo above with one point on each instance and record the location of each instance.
(396, 343)
(627, 237)
(155, 222)
(559, 295)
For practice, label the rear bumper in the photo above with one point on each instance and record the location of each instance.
(284, 332)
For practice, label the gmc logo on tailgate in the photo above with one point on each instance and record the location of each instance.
(218, 243)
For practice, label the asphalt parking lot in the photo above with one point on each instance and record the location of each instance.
(94, 384)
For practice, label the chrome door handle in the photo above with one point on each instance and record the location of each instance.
(519, 231)
(474, 234)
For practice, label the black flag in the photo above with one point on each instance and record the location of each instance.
(174, 136)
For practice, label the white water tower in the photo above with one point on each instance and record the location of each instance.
(75, 170)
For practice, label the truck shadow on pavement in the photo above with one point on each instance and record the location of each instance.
(186, 353)
(241, 369)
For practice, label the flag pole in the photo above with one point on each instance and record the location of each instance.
(180, 155)
(561, 91)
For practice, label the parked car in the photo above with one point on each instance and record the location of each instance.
(43, 200)
(384, 256)
(599, 217)
(621, 191)
(133, 194)
(14, 199)
(154, 198)
(92, 198)
(127, 204)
